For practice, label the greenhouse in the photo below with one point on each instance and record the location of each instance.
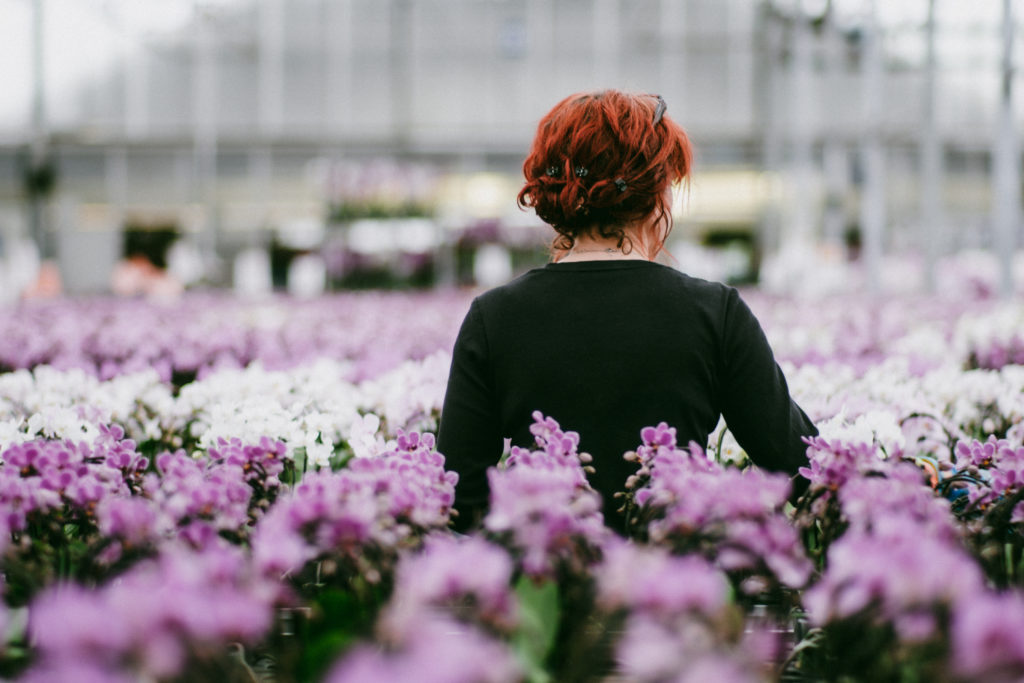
(511, 341)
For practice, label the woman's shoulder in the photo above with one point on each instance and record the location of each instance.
(643, 276)
(510, 288)
(693, 288)
(693, 282)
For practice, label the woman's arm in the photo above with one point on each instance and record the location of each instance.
(755, 400)
(469, 435)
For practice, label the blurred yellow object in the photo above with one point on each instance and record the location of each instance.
(479, 195)
(733, 196)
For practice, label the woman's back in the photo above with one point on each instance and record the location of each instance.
(607, 347)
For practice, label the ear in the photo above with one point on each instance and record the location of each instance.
(560, 247)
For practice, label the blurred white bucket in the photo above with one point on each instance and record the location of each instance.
(492, 266)
(307, 276)
(251, 276)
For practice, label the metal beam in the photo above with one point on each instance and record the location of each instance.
(873, 194)
(931, 232)
(1006, 164)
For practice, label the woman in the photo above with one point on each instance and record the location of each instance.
(604, 339)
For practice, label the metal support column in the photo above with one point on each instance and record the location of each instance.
(1006, 186)
(873, 195)
(261, 180)
(204, 130)
(799, 230)
(931, 232)
(672, 54)
(136, 84)
(605, 51)
(768, 81)
(338, 24)
(271, 67)
(401, 68)
(39, 168)
(542, 67)
(836, 164)
(116, 180)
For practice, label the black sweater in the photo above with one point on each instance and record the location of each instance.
(607, 348)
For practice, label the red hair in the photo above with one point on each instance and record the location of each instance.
(603, 161)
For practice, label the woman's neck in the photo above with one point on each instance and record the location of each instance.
(585, 249)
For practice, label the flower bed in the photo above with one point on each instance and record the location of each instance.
(215, 490)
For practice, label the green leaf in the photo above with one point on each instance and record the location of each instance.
(342, 619)
(538, 625)
(299, 464)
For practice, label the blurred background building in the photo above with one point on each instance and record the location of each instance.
(318, 144)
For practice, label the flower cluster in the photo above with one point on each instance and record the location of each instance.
(435, 650)
(991, 471)
(649, 580)
(987, 637)
(178, 611)
(452, 603)
(320, 416)
(45, 476)
(359, 515)
(469, 578)
(202, 497)
(201, 333)
(542, 506)
(692, 504)
(833, 464)
(54, 499)
(880, 502)
(166, 485)
(197, 500)
(920, 574)
(991, 339)
(907, 609)
(679, 620)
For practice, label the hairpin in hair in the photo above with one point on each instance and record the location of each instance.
(553, 171)
(621, 184)
(581, 171)
(659, 111)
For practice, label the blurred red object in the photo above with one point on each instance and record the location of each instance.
(137, 276)
(47, 284)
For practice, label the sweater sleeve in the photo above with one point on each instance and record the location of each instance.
(469, 434)
(755, 400)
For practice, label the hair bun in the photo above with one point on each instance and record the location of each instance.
(604, 161)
